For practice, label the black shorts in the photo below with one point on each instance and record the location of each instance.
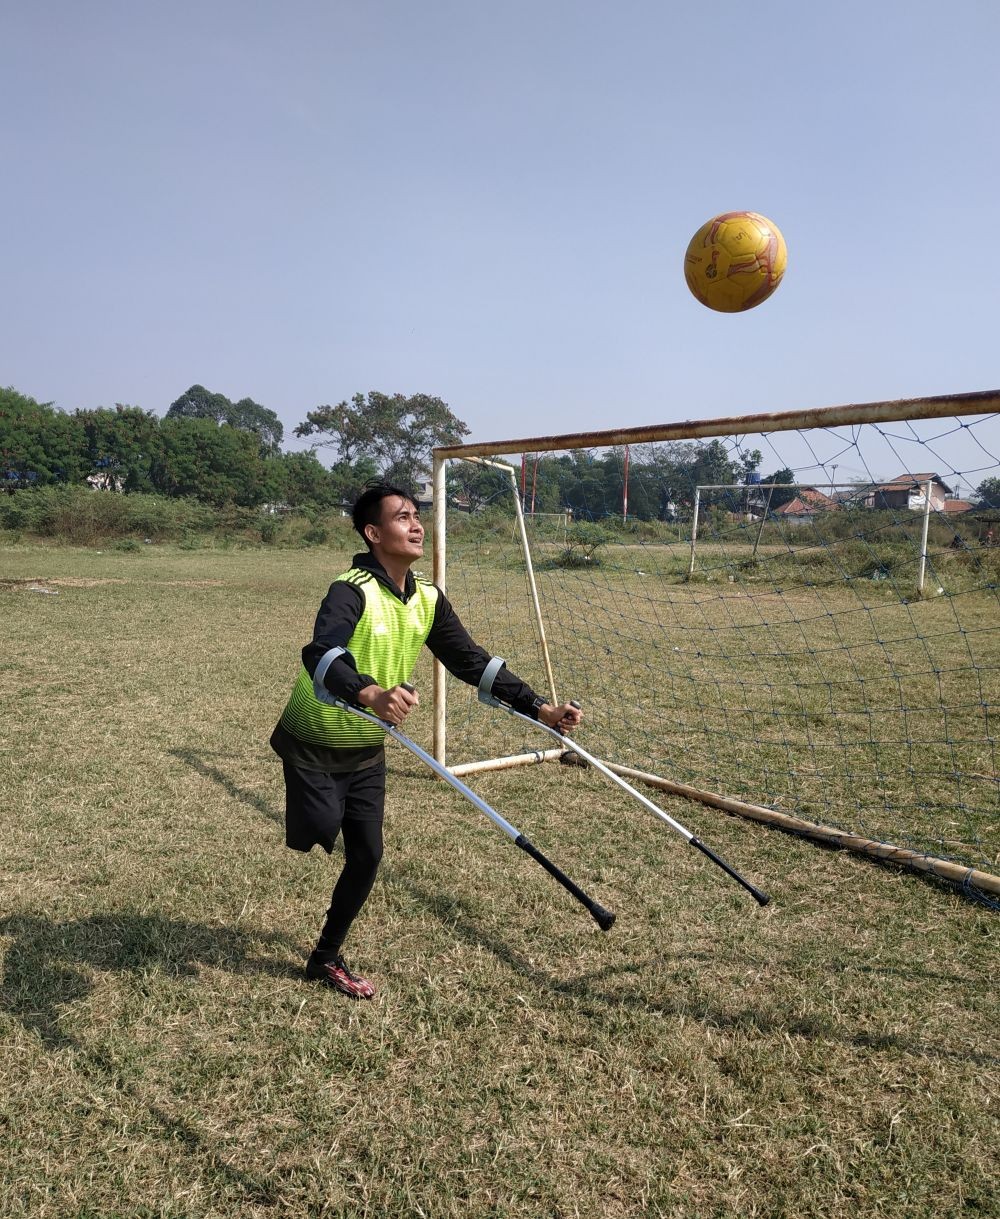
(317, 804)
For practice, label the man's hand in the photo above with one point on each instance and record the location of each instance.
(565, 717)
(393, 705)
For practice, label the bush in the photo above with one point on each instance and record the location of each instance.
(583, 540)
(79, 515)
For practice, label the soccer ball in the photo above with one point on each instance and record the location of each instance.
(735, 261)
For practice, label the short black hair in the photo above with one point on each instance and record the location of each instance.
(367, 508)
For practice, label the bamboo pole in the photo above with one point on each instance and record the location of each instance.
(515, 759)
(530, 568)
(440, 566)
(923, 536)
(694, 528)
(440, 575)
(885, 851)
(763, 521)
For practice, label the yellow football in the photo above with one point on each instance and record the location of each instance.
(735, 261)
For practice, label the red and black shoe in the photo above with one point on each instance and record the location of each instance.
(334, 972)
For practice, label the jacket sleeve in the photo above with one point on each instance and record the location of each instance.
(339, 614)
(452, 644)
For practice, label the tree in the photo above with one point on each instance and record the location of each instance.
(245, 415)
(199, 403)
(249, 416)
(710, 466)
(301, 480)
(394, 432)
(665, 476)
(476, 486)
(779, 495)
(120, 446)
(38, 443)
(220, 465)
(988, 493)
(748, 464)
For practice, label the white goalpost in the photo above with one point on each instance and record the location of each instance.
(829, 666)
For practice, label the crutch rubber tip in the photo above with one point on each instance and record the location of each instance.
(605, 919)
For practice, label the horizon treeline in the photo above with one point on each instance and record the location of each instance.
(228, 454)
(220, 452)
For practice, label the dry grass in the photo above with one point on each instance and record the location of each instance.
(832, 1055)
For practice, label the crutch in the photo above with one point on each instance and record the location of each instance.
(486, 696)
(603, 918)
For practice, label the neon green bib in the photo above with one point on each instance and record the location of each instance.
(386, 643)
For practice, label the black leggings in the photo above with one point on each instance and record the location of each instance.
(317, 807)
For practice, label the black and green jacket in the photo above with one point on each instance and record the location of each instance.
(383, 629)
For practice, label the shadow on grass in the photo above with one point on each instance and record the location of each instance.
(588, 988)
(590, 994)
(50, 965)
(196, 761)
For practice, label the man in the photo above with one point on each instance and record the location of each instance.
(368, 634)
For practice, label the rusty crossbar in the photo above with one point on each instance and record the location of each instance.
(982, 402)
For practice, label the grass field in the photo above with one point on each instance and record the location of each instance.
(835, 1054)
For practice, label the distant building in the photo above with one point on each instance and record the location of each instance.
(804, 508)
(908, 491)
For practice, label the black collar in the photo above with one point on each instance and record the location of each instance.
(367, 562)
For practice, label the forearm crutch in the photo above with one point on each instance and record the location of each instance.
(602, 917)
(486, 696)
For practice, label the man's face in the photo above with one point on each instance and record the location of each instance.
(399, 533)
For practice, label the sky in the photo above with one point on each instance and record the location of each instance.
(490, 203)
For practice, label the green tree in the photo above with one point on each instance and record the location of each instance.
(665, 472)
(394, 432)
(710, 465)
(779, 495)
(579, 476)
(39, 444)
(218, 464)
(350, 478)
(120, 446)
(249, 416)
(245, 415)
(199, 403)
(301, 480)
(478, 485)
(748, 463)
(988, 493)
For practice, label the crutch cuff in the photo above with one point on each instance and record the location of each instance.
(486, 694)
(319, 675)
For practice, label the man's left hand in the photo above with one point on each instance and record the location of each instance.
(564, 717)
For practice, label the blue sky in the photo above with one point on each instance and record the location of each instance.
(491, 203)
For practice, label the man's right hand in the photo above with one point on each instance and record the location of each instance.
(393, 705)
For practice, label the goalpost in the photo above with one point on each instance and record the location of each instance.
(832, 665)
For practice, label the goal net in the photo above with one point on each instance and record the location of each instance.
(793, 617)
